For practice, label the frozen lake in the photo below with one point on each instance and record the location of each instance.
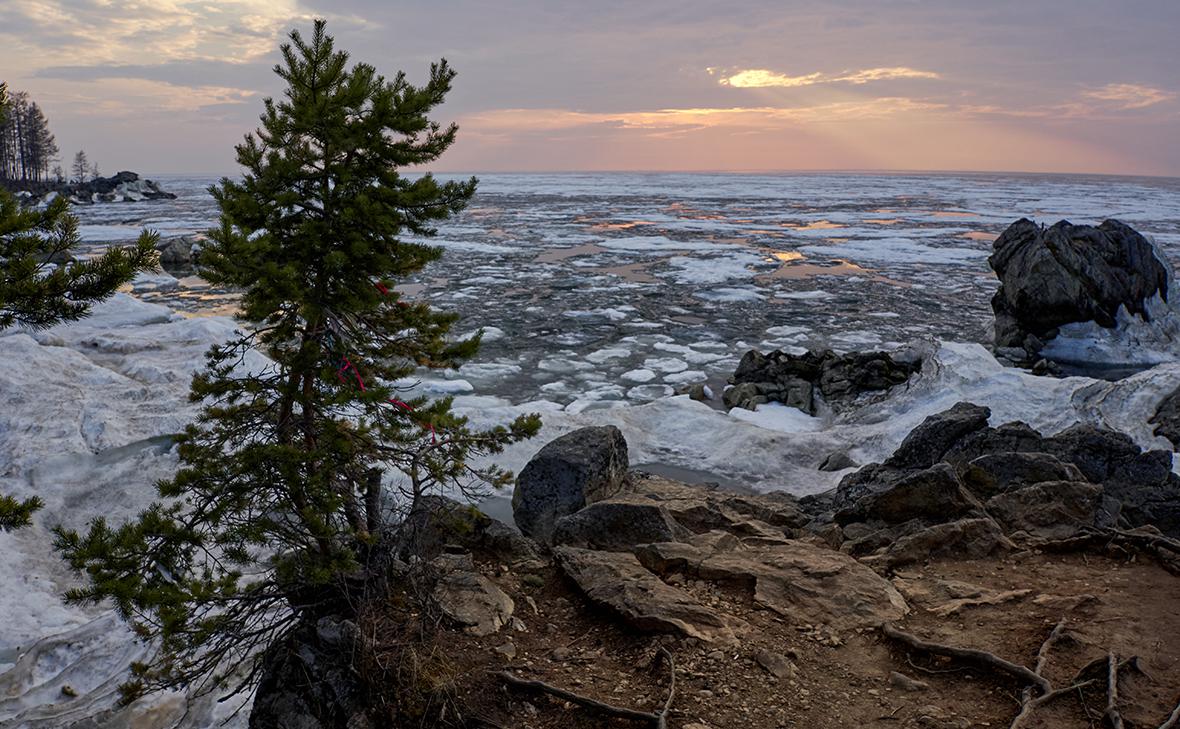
(598, 289)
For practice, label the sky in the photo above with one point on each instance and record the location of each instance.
(170, 86)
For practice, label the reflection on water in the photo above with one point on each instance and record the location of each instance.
(979, 235)
(817, 225)
(553, 255)
(633, 272)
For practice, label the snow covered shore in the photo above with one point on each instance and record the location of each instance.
(87, 409)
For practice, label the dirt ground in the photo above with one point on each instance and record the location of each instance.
(1128, 606)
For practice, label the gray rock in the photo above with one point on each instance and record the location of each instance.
(794, 380)
(927, 443)
(966, 538)
(705, 508)
(618, 526)
(934, 493)
(438, 522)
(776, 664)
(579, 468)
(1166, 418)
(808, 584)
(838, 461)
(180, 252)
(996, 473)
(1069, 273)
(1050, 510)
(473, 601)
(619, 583)
(905, 683)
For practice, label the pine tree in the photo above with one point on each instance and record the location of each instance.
(278, 504)
(80, 167)
(36, 294)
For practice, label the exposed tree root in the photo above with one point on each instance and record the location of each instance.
(1035, 680)
(1173, 719)
(1112, 715)
(972, 655)
(658, 719)
(1165, 549)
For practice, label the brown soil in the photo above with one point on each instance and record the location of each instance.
(1128, 607)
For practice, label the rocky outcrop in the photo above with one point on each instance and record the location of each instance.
(577, 469)
(308, 681)
(799, 381)
(121, 187)
(801, 581)
(1166, 418)
(955, 483)
(619, 583)
(439, 523)
(180, 254)
(1065, 274)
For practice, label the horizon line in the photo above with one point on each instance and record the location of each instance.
(750, 172)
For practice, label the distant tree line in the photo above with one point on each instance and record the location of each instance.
(28, 150)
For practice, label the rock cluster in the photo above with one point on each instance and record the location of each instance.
(120, 187)
(627, 551)
(957, 485)
(1050, 277)
(800, 381)
(180, 254)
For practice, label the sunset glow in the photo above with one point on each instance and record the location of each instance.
(760, 86)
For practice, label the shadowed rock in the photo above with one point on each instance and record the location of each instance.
(794, 380)
(618, 526)
(1069, 273)
(579, 468)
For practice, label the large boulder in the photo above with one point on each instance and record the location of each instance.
(702, 508)
(579, 468)
(973, 538)
(180, 253)
(794, 380)
(618, 526)
(1065, 274)
(438, 523)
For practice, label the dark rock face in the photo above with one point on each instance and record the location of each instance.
(1167, 418)
(997, 473)
(1069, 273)
(617, 526)
(794, 380)
(1052, 509)
(954, 466)
(180, 253)
(929, 442)
(121, 187)
(308, 681)
(579, 468)
(935, 493)
(438, 523)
